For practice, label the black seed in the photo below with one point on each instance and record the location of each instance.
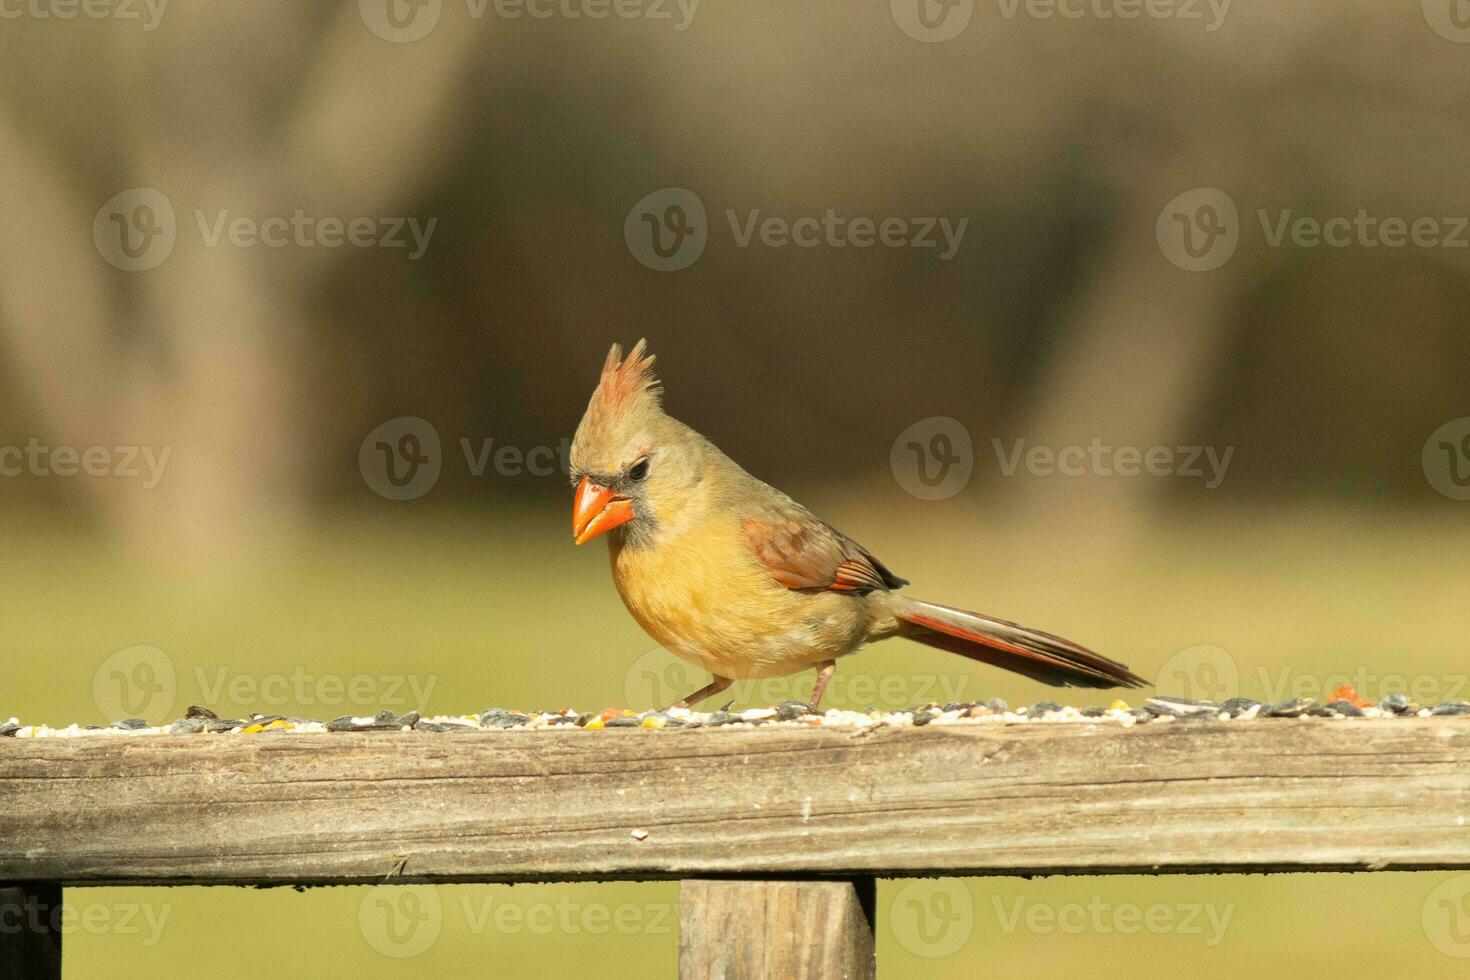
(342, 724)
(9, 728)
(1451, 708)
(1094, 711)
(792, 710)
(130, 724)
(1397, 703)
(722, 718)
(194, 711)
(1288, 709)
(187, 726)
(1346, 708)
(622, 721)
(1239, 706)
(1142, 714)
(490, 714)
(1043, 707)
(998, 705)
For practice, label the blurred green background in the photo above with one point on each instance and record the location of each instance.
(266, 569)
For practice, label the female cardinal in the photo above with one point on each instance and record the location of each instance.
(736, 577)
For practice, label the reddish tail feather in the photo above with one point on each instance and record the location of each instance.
(1032, 653)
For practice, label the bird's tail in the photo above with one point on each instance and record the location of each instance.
(1032, 653)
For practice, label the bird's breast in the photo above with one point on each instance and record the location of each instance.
(705, 598)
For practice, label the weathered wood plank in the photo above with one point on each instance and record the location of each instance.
(775, 930)
(1258, 795)
(30, 931)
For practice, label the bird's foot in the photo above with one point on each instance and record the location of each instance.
(824, 674)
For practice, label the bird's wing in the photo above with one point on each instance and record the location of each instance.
(808, 555)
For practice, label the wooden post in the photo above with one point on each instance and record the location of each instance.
(754, 930)
(30, 936)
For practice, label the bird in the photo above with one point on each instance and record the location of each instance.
(732, 575)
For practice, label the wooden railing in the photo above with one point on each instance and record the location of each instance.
(778, 834)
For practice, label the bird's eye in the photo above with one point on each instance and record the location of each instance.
(639, 470)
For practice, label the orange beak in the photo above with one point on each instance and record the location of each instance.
(598, 510)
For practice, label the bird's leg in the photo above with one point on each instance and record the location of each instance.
(708, 691)
(824, 674)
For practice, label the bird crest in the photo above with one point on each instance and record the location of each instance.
(625, 381)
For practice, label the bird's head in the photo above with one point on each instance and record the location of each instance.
(631, 463)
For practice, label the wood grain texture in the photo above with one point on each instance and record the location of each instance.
(775, 930)
(560, 805)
